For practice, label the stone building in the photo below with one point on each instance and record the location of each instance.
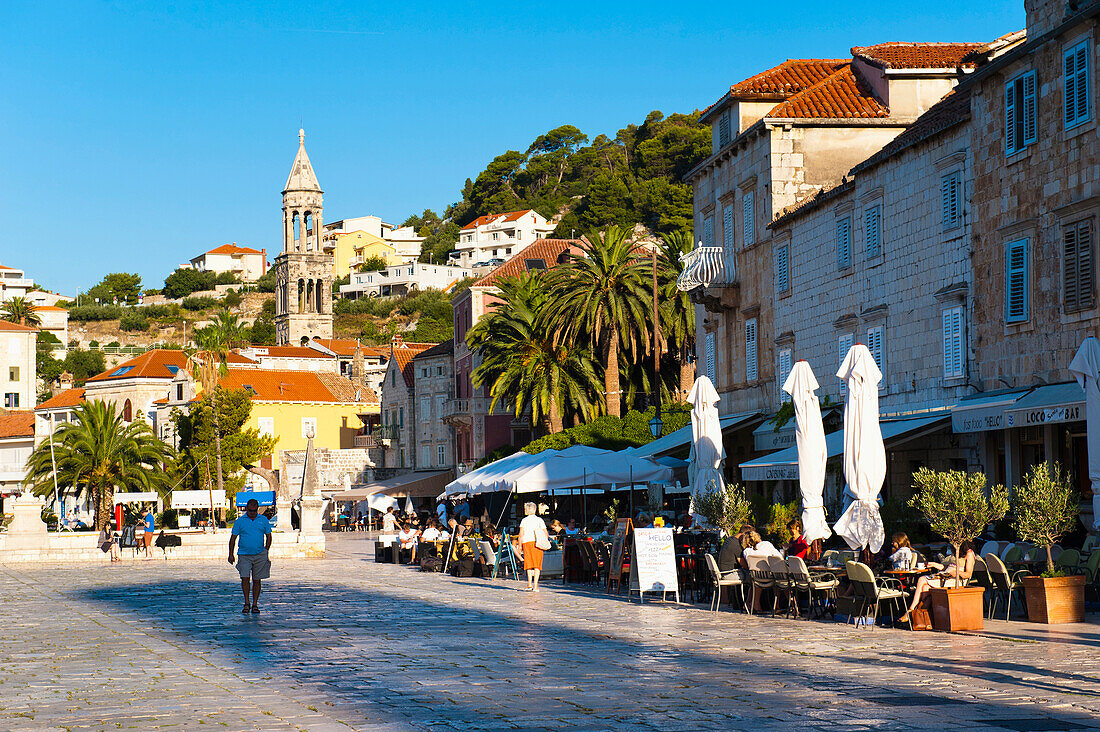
(17, 365)
(433, 386)
(1036, 205)
(399, 405)
(303, 271)
(778, 138)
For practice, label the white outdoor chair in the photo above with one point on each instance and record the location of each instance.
(761, 575)
(488, 554)
(719, 579)
(1005, 550)
(821, 586)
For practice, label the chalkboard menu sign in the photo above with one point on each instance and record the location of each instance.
(618, 544)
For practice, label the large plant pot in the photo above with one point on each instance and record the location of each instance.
(957, 608)
(1055, 599)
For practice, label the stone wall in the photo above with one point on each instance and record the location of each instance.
(81, 547)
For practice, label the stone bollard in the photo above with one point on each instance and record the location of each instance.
(27, 529)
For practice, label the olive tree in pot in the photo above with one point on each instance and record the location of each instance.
(1044, 509)
(727, 509)
(958, 507)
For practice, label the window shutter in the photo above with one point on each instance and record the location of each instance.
(1016, 282)
(1082, 82)
(747, 212)
(953, 362)
(711, 358)
(751, 370)
(1029, 108)
(844, 344)
(782, 269)
(1070, 272)
(708, 231)
(784, 372)
(1078, 275)
(949, 193)
(1076, 84)
(872, 231)
(875, 346)
(727, 228)
(724, 130)
(1010, 117)
(844, 243)
(1070, 86)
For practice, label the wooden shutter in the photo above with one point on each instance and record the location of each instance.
(872, 231)
(949, 195)
(784, 372)
(708, 231)
(711, 357)
(844, 243)
(747, 212)
(724, 129)
(874, 345)
(953, 361)
(1083, 94)
(727, 228)
(1010, 117)
(752, 372)
(1069, 80)
(1078, 269)
(1029, 108)
(783, 268)
(1016, 281)
(1076, 84)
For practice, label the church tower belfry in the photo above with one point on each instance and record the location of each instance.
(303, 271)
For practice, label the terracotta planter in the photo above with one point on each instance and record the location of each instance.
(1055, 599)
(957, 608)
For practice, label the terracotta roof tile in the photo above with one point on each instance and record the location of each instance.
(490, 218)
(156, 364)
(67, 398)
(346, 390)
(49, 308)
(403, 358)
(841, 95)
(288, 352)
(442, 349)
(15, 327)
(233, 249)
(789, 77)
(548, 250)
(292, 386)
(17, 424)
(916, 55)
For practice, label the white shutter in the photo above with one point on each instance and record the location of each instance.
(876, 346)
(710, 357)
(1017, 286)
(872, 231)
(752, 370)
(954, 361)
(748, 213)
(844, 344)
(708, 231)
(727, 228)
(783, 268)
(1029, 108)
(784, 372)
(844, 243)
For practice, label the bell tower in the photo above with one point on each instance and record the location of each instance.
(303, 271)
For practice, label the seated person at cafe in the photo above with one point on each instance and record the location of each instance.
(798, 546)
(463, 559)
(953, 575)
(408, 536)
(685, 523)
(571, 527)
(902, 555)
(642, 521)
(555, 528)
(757, 547)
(432, 533)
(729, 558)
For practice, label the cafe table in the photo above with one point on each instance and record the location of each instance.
(909, 577)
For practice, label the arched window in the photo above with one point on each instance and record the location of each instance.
(309, 296)
(319, 297)
(127, 411)
(309, 231)
(296, 231)
(301, 295)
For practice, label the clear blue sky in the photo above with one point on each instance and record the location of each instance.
(137, 137)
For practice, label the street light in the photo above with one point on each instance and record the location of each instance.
(656, 425)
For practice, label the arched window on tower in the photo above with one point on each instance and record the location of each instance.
(301, 295)
(309, 231)
(309, 296)
(127, 411)
(319, 297)
(295, 232)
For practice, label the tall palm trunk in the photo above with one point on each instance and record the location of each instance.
(217, 439)
(103, 505)
(611, 377)
(687, 378)
(556, 423)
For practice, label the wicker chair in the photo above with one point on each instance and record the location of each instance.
(731, 579)
(870, 592)
(821, 587)
(1005, 584)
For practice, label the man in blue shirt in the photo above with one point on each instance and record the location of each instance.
(150, 528)
(254, 531)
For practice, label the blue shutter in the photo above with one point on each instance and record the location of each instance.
(844, 243)
(1017, 286)
(751, 370)
(727, 228)
(784, 372)
(950, 189)
(872, 231)
(782, 269)
(747, 209)
(1029, 111)
(1076, 85)
(1010, 117)
(953, 360)
(708, 231)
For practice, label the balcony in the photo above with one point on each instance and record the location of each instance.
(707, 267)
(459, 412)
(368, 442)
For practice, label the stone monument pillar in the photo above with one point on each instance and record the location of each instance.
(27, 529)
(310, 510)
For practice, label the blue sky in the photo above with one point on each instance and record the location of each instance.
(138, 135)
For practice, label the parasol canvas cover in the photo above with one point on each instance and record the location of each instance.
(707, 452)
(810, 439)
(864, 452)
(1085, 367)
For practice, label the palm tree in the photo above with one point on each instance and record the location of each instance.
(99, 452)
(602, 296)
(216, 339)
(676, 311)
(522, 363)
(22, 311)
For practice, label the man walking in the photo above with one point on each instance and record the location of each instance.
(150, 522)
(254, 531)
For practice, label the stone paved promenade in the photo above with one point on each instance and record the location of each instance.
(347, 644)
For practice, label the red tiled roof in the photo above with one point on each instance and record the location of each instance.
(916, 55)
(233, 249)
(402, 358)
(346, 347)
(490, 218)
(162, 400)
(289, 352)
(49, 308)
(789, 77)
(841, 95)
(15, 327)
(67, 398)
(548, 250)
(156, 364)
(17, 424)
(295, 386)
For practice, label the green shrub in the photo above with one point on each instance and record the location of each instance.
(95, 313)
(114, 344)
(199, 303)
(134, 320)
(162, 310)
(185, 280)
(226, 278)
(266, 283)
(268, 308)
(232, 299)
(93, 344)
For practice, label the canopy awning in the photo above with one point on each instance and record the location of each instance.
(981, 412)
(682, 437)
(414, 485)
(783, 465)
(1048, 404)
(147, 497)
(264, 498)
(197, 499)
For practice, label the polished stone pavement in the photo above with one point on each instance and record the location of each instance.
(344, 643)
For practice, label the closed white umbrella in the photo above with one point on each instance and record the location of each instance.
(1085, 367)
(707, 452)
(409, 505)
(809, 435)
(864, 453)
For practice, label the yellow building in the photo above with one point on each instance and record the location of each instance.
(352, 249)
(288, 405)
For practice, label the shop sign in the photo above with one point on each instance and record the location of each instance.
(768, 440)
(1046, 415)
(978, 420)
(770, 472)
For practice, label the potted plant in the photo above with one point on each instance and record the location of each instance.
(1044, 509)
(727, 509)
(957, 508)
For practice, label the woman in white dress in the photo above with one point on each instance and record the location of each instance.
(533, 539)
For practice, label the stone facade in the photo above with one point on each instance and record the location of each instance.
(303, 271)
(433, 387)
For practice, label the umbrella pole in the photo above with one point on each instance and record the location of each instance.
(631, 492)
(584, 500)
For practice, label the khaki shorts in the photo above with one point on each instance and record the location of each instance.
(255, 566)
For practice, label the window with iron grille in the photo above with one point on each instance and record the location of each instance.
(1020, 123)
(1076, 85)
(1078, 267)
(1017, 282)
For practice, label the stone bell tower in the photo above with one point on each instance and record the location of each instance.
(303, 271)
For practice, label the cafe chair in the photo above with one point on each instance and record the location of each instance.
(719, 579)
(761, 576)
(820, 587)
(871, 591)
(1003, 554)
(991, 546)
(1055, 552)
(784, 584)
(981, 578)
(1090, 567)
(1067, 561)
(1006, 585)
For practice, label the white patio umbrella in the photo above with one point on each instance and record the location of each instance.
(1085, 366)
(707, 452)
(809, 435)
(864, 453)
(409, 505)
